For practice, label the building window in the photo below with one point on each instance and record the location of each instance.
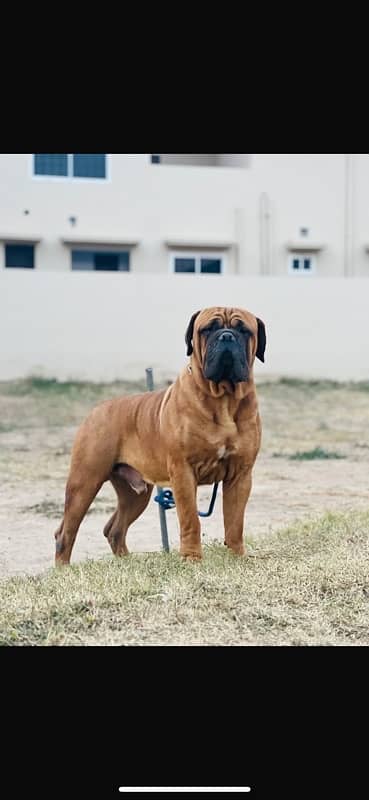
(71, 165)
(19, 256)
(211, 266)
(89, 165)
(100, 261)
(51, 164)
(185, 265)
(155, 159)
(301, 264)
(197, 264)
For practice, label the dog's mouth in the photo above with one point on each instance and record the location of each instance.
(226, 362)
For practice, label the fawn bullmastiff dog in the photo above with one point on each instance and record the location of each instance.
(205, 428)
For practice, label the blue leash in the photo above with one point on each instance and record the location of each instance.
(166, 500)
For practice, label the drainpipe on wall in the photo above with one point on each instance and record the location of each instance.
(240, 228)
(265, 235)
(348, 232)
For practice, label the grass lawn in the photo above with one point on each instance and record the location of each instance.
(305, 585)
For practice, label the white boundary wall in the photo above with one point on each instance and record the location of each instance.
(103, 327)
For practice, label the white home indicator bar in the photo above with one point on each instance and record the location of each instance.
(126, 789)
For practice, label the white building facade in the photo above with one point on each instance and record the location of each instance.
(232, 214)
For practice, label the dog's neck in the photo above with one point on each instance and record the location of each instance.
(223, 403)
(237, 392)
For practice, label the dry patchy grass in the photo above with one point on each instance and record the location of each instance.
(306, 585)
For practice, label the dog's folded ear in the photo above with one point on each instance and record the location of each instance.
(261, 340)
(189, 333)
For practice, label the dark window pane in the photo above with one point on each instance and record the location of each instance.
(107, 262)
(19, 256)
(87, 260)
(89, 165)
(124, 262)
(155, 159)
(83, 260)
(184, 265)
(51, 164)
(296, 263)
(211, 266)
(307, 263)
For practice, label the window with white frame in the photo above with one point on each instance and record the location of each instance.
(301, 263)
(71, 165)
(197, 264)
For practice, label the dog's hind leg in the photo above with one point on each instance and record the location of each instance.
(131, 505)
(78, 498)
(91, 465)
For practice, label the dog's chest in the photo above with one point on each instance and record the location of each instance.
(211, 462)
(225, 451)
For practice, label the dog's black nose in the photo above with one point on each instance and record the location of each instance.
(227, 336)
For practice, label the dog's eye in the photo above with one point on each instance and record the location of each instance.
(214, 326)
(241, 328)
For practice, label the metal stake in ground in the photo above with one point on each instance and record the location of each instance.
(162, 513)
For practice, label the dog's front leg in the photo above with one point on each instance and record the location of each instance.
(235, 496)
(185, 493)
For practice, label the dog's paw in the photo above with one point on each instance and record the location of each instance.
(238, 550)
(191, 555)
(240, 553)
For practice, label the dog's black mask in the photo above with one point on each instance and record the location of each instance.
(226, 353)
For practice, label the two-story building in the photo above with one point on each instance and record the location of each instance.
(242, 214)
